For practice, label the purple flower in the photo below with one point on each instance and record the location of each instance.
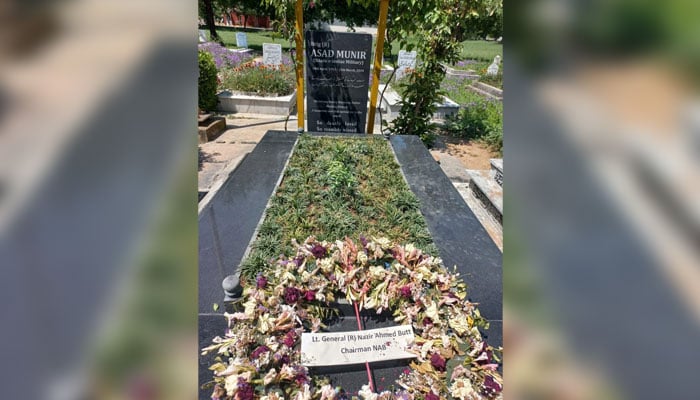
(427, 321)
(289, 339)
(363, 240)
(491, 387)
(291, 295)
(298, 260)
(318, 251)
(223, 57)
(261, 281)
(437, 362)
(309, 295)
(301, 379)
(280, 359)
(245, 390)
(432, 396)
(405, 291)
(259, 351)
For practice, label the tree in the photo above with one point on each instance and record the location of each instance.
(436, 24)
(206, 9)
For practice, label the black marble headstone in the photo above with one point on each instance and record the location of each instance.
(337, 76)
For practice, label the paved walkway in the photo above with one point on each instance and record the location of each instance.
(243, 131)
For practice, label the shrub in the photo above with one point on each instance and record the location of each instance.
(207, 82)
(259, 79)
(480, 120)
(223, 58)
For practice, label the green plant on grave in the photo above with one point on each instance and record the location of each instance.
(303, 205)
(207, 82)
(340, 178)
(257, 78)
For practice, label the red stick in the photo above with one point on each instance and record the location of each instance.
(359, 326)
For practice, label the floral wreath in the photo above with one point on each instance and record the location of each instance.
(262, 342)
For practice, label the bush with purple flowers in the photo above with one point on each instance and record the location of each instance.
(223, 57)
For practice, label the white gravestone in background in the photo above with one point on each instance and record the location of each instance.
(407, 59)
(202, 36)
(492, 70)
(241, 40)
(272, 54)
(356, 347)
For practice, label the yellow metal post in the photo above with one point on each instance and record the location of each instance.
(299, 38)
(381, 29)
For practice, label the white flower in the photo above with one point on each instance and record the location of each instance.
(462, 389)
(367, 394)
(362, 258)
(327, 392)
(432, 312)
(304, 393)
(270, 376)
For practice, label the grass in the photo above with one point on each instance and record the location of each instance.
(256, 37)
(471, 49)
(480, 50)
(338, 187)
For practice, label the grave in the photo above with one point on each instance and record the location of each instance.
(272, 54)
(337, 68)
(227, 224)
(406, 60)
(241, 40)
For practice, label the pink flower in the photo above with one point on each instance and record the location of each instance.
(437, 362)
(245, 390)
(289, 339)
(432, 396)
(309, 295)
(318, 251)
(260, 281)
(291, 295)
(259, 351)
(405, 291)
(491, 387)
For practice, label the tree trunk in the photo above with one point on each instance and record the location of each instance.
(245, 21)
(209, 11)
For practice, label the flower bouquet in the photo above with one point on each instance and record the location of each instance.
(258, 357)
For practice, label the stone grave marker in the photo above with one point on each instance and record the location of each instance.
(272, 54)
(241, 40)
(407, 59)
(337, 72)
(492, 70)
(203, 36)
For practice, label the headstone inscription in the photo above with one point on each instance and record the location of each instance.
(241, 40)
(337, 69)
(407, 59)
(272, 54)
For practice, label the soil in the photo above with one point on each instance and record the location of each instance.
(472, 155)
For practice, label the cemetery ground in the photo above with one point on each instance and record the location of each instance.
(262, 185)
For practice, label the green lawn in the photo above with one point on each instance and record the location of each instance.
(256, 37)
(471, 49)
